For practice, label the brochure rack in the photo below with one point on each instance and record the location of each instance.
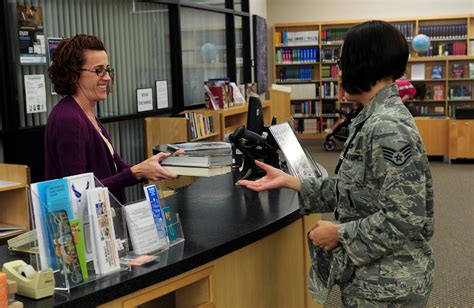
(82, 233)
(63, 235)
(174, 244)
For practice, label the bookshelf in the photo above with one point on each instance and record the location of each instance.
(451, 49)
(164, 130)
(461, 137)
(14, 198)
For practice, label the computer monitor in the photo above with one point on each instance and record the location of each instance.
(255, 115)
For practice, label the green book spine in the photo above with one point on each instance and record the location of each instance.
(76, 228)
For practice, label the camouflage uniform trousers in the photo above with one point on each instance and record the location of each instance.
(356, 302)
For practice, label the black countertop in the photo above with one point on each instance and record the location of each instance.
(217, 218)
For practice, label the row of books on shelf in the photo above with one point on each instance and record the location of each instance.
(456, 92)
(199, 125)
(221, 93)
(405, 28)
(330, 54)
(296, 38)
(329, 90)
(295, 73)
(296, 55)
(421, 110)
(74, 219)
(306, 108)
(444, 31)
(445, 49)
(452, 109)
(333, 35)
(458, 70)
(312, 126)
(435, 92)
(329, 71)
(460, 92)
(305, 91)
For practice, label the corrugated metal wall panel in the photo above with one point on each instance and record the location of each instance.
(137, 44)
(138, 47)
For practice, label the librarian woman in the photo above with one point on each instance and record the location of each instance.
(76, 141)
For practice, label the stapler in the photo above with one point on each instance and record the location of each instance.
(30, 283)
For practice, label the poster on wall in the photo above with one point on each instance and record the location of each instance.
(161, 94)
(30, 34)
(144, 99)
(260, 53)
(35, 93)
(53, 43)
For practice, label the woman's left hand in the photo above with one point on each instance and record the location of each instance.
(324, 234)
(151, 169)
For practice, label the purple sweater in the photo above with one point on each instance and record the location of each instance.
(73, 146)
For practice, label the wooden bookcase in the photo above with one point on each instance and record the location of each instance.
(317, 90)
(164, 130)
(461, 139)
(14, 198)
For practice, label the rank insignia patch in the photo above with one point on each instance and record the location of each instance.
(397, 157)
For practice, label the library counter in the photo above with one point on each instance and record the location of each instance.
(217, 218)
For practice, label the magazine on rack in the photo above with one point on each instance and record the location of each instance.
(300, 163)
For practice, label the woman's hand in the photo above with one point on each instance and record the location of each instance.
(324, 234)
(274, 178)
(151, 169)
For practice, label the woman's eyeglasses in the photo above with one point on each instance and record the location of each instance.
(100, 71)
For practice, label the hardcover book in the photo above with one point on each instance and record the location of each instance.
(438, 92)
(198, 160)
(458, 71)
(218, 146)
(198, 171)
(437, 72)
(418, 71)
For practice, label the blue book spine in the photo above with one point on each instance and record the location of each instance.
(154, 199)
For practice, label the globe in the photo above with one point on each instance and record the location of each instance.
(421, 43)
(208, 52)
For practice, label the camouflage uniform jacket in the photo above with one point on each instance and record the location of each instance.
(382, 197)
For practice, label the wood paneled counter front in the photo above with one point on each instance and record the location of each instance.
(242, 249)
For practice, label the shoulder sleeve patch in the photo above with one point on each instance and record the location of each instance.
(397, 157)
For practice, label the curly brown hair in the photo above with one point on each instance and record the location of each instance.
(68, 59)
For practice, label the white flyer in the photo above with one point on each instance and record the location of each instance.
(142, 228)
(162, 94)
(35, 93)
(144, 99)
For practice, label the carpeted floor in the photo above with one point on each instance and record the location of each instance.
(453, 243)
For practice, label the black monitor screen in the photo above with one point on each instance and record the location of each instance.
(255, 115)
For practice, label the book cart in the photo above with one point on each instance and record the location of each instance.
(92, 245)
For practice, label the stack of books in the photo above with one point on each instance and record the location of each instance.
(199, 159)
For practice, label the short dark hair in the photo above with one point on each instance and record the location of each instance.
(68, 59)
(372, 51)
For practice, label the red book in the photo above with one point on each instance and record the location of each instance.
(438, 92)
(218, 93)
